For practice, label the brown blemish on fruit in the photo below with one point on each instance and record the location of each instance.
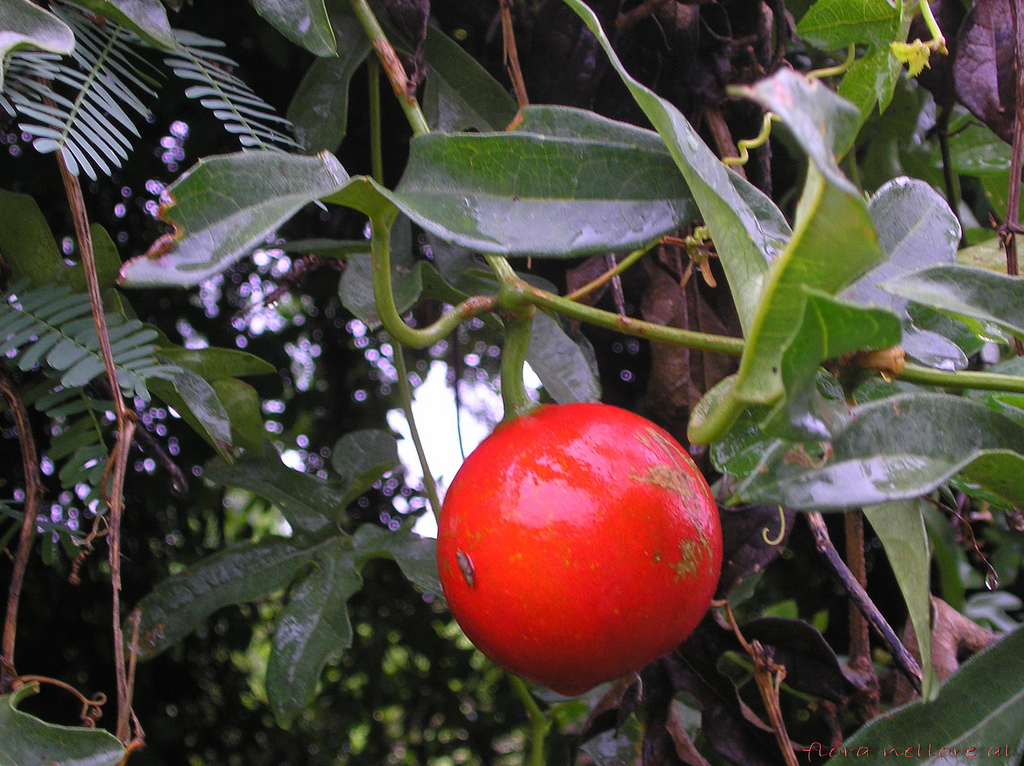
(691, 554)
(466, 567)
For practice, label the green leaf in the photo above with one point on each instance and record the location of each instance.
(966, 291)
(308, 503)
(747, 228)
(239, 574)
(830, 210)
(313, 630)
(361, 458)
(319, 109)
(26, 242)
(199, 406)
(26, 25)
(416, 556)
(147, 18)
(567, 373)
(900, 526)
(304, 22)
(897, 448)
(979, 712)
(828, 328)
(833, 24)
(242, 404)
(459, 93)
(217, 363)
(29, 741)
(871, 80)
(356, 285)
(565, 183)
(915, 228)
(226, 205)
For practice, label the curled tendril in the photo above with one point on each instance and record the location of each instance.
(782, 530)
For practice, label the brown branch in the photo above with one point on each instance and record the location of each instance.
(1013, 192)
(33, 502)
(508, 39)
(119, 456)
(768, 677)
(860, 638)
(907, 664)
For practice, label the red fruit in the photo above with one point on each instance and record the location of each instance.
(577, 543)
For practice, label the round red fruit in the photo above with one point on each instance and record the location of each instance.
(578, 543)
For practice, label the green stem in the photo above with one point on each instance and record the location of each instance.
(405, 394)
(376, 151)
(540, 723)
(938, 41)
(380, 247)
(629, 326)
(620, 267)
(514, 395)
(966, 379)
(393, 67)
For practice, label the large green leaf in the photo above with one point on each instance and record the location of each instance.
(308, 503)
(313, 629)
(915, 228)
(831, 210)
(900, 526)
(303, 22)
(226, 205)
(897, 448)
(834, 24)
(747, 228)
(979, 714)
(147, 18)
(319, 109)
(966, 291)
(565, 183)
(31, 742)
(416, 556)
(828, 328)
(244, 572)
(871, 80)
(362, 457)
(459, 93)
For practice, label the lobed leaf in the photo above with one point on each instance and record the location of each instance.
(309, 504)
(238, 574)
(416, 556)
(28, 741)
(312, 630)
(319, 108)
(361, 458)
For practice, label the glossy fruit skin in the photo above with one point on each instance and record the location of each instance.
(578, 543)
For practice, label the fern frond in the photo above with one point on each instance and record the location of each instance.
(80, 105)
(53, 327)
(232, 101)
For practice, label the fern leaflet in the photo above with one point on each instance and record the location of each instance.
(78, 106)
(53, 327)
(232, 101)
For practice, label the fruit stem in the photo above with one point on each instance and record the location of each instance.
(540, 723)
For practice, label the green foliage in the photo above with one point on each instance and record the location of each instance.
(801, 424)
(28, 740)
